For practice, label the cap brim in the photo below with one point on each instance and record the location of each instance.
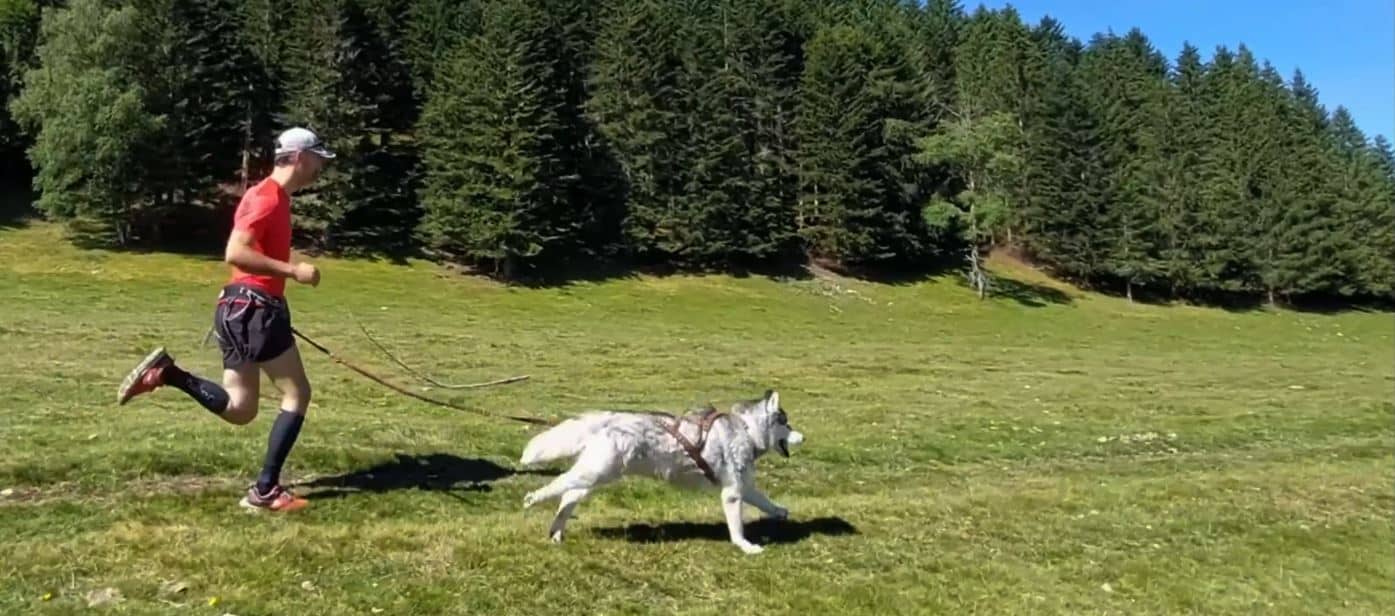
(322, 152)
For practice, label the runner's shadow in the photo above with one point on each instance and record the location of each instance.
(762, 531)
(436, 472)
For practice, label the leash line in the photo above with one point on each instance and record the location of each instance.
(412, 371)
(319, 347)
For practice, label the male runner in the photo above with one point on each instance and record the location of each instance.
(252, 320)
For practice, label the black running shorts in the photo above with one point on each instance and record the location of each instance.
(251, 326)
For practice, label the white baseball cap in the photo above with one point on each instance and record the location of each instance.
(301, 139)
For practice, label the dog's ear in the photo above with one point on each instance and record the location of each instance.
(772, 401)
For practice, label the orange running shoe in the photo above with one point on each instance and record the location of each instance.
(278, 499)
(146, 377)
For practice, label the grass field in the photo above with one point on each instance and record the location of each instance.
(1044, 452)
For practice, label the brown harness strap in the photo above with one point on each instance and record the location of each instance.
(695, 450)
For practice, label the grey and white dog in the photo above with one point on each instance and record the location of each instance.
(609, 445)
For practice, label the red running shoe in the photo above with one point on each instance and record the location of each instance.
(146, 377)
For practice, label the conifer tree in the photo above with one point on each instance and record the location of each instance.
(1365, 208)
(1224, 236)
(198, 79)
(637, 101)
(740, 206)
(351, 85)
(19, 31)
(1125, 78)
(1182, 137)
(434, 28)
(492, 191)
(1063, 165)
(855, 206)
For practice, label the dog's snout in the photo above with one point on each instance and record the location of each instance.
(795, 437)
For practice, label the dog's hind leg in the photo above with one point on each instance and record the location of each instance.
(570, 499)
(731, 506)
(598, 464)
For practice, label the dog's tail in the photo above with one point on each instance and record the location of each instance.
(564, 440)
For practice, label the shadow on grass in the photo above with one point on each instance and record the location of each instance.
(1252, 302)
(763, 531)
(436, 472)
(1028, 294)
(578, 271)
(16, 204)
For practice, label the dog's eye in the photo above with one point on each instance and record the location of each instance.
(780, 418)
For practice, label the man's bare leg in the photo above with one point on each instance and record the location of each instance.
(243, 385)
(234, 401)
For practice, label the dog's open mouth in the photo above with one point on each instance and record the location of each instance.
(784, 447)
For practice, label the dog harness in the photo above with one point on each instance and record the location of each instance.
(694, 450)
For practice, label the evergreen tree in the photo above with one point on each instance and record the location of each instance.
(705, 133)
(636, 104)
(261, 33)
(319, 95)
(740, 205)
(1181, 141)
(855, 203)
(1365, 208)
(434, 28)
(1063, 165)
(938, 27)
(1125, 78)
(492, 190)
(348, 81)
(1232, 101)
(198, 79)
(19, 29)
(586, 169)
(1302, 249)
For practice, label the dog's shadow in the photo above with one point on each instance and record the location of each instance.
(762, 531)
(435, 472)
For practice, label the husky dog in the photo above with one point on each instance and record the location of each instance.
(717, 450)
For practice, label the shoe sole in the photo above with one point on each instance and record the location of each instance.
(255, 509)
(123, 394)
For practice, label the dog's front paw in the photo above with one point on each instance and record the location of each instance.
(530, 499)
(750, 548)
(556, 537)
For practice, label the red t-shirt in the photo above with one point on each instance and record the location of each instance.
(265, 212)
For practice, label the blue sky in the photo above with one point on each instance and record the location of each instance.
(1346, 48)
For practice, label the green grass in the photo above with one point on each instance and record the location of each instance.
(1046, 453)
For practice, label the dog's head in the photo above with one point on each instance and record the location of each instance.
(772, 423)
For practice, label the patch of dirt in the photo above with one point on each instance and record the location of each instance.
(69, 491)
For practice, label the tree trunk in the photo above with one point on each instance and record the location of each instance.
(1128, 289)
(975, 272)
(509, 268)
(247, 150)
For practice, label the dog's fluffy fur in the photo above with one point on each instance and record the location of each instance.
(609, 445)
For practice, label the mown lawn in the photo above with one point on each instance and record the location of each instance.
(1043, 452)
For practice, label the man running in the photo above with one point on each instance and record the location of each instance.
(252, 320)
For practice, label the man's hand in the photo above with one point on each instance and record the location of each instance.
(307, 274)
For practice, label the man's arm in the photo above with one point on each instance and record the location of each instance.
(239, 252)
